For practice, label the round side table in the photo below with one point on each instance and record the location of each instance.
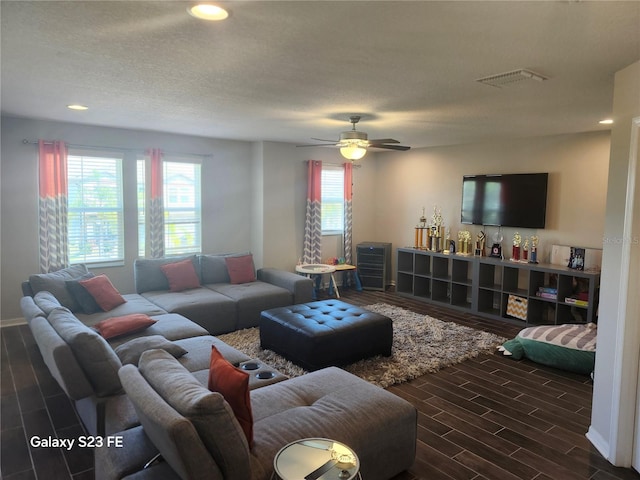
(319, 269)
(316, 459)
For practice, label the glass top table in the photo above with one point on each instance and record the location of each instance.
(316, 459)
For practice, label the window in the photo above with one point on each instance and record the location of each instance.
(95, 216)
(182, 209)
(332, 200)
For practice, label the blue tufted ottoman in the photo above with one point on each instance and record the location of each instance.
(330, 332)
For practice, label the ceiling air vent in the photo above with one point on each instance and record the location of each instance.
(503, 79)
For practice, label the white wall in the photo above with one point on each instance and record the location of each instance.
(616, 372)
(577, 167)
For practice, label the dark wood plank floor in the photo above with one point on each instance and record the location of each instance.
(486, 418)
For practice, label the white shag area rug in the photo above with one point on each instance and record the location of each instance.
(421, 344)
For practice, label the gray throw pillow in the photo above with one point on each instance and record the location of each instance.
(130, 351)
(54, 282)
(87, 304)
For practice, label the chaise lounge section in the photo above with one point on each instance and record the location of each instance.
(198, 437)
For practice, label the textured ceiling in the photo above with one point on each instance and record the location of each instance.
(291, 70)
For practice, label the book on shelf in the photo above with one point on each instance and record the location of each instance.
(577, 302)
(551, 296)
(548, 290)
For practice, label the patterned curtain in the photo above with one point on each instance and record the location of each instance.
(313, 227)
(348, 211)
(53, 206)
(155, 222)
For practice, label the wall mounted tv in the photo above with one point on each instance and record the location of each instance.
(511, 200)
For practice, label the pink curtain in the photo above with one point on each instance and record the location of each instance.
(312, 252)
(348, 211)
(155, 222)
(53, 206)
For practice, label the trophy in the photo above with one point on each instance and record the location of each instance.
(436, 231)
(449, 245)
(525, 250)
(480, 244)
(419, 237)
(515, 251)
(534, 249)
(464, 242)
(496, 248)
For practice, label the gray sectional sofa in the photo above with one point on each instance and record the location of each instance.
(149, 387)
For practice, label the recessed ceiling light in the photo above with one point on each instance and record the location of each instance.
(207, 11)
(606, 121)
(77, 107)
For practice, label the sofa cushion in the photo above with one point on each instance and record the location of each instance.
(134, 304)
(148, 273)
(103, 291)
(212, 310)
(252, 298)
(199, 357)
(214, 267)
(96, 358)
(54, 282)
(129, 352)
(233, 384)
(125, 325)
(60, 360)
(241, 269)
(86, 302)
(210, 414)
(46, 301)
(181, 275)
(172, 434)
(333, 403)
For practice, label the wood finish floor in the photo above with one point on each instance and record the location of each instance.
(486, 418)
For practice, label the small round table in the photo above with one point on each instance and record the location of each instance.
(316, 459)
(319, 269)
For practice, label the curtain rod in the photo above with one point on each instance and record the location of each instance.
(120, 149)
(333, 164)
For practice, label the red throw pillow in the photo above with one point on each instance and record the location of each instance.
(116, 326)
(103, 291)
(241, 269)
(233, 384)
(181, 275)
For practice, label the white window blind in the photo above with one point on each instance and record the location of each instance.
(95, 217)
(182, 210)
(182, 207)
(332, 199)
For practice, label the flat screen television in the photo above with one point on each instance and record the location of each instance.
(510, 200)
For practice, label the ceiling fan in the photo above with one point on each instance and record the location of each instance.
(353, 144)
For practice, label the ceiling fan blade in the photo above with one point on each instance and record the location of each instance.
(317, 145)
(391, 147)
(384, 140)
(324, 140)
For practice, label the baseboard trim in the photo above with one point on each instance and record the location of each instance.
(598, 442)
(12, 322)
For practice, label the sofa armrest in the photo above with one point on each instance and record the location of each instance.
(29, 309)
(301, 287)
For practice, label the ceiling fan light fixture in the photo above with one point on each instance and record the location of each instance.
(208, 11)
(353, 152)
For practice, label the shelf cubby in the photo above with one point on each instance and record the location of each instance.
(482, 286)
